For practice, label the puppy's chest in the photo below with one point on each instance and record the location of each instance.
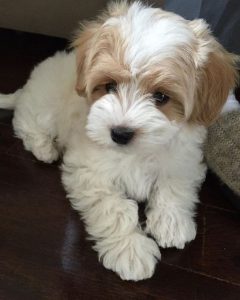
(137, 180)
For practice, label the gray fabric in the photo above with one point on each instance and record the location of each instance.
(222, 15)
(222, 150)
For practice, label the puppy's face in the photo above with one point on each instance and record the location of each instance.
(146, 73)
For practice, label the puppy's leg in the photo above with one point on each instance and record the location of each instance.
(112, 221)
(170, 213)
(36, 129)
(40, 143)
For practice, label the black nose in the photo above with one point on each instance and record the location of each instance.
(122, 135)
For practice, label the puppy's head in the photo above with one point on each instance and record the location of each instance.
(146, 73)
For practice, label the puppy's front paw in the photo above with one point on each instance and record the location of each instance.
(42, 148)
(46, 155)
(170, 230)
(133, 257)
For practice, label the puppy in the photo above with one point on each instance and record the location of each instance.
(128, 109)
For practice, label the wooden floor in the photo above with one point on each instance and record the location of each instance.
(44, 253)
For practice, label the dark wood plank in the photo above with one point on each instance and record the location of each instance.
(5, 116)
(33, 176)
(45, 255)
(216, 250)
(11, 145)
(6, 138)
(211, 194)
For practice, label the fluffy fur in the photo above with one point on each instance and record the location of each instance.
(65, 108)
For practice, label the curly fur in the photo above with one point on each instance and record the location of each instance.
(65, 108)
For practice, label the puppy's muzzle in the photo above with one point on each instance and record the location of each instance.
(122, 135)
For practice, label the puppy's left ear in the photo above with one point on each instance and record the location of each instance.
(216, 74)
(86, 39)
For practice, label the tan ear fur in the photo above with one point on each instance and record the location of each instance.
(83, 42)
(216, 75)
(84, 39)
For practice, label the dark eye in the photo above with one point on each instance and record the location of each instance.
(111, 87)
(160, 98)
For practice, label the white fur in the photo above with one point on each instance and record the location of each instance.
(104, 180)
(231, 105)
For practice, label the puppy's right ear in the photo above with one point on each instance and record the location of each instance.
(83, 43)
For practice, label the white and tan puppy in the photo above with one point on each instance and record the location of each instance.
(128, 108)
